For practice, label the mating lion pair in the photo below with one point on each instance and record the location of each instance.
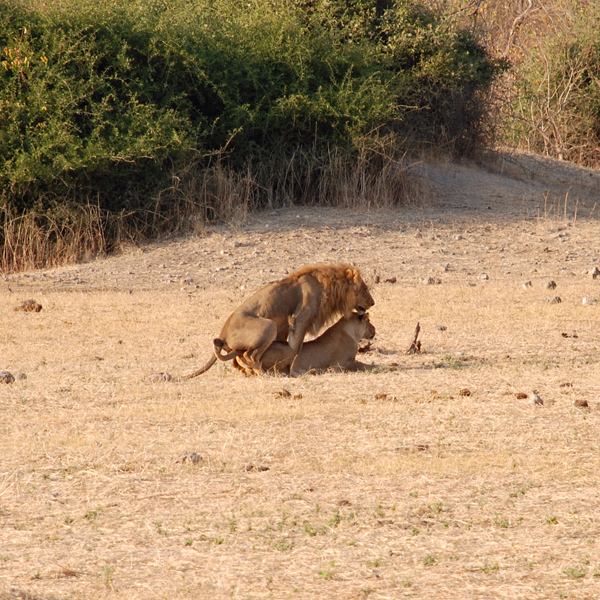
(267, 331)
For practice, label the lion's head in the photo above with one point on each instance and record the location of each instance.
(366, 329)
(344, 291)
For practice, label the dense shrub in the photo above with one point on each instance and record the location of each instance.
(123, 105)
(556, 96)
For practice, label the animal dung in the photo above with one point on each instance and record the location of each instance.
(6, 377)
(28, 306)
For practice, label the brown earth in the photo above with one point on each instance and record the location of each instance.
(426, 478)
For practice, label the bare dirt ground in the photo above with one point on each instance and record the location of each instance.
(427, 477)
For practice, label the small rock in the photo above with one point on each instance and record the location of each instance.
(252, 467)
(553, 300)
(527, 284)
(156, 377)
(283, 394)
(391, 280)
(377, 279)
(581, 403)
(521, 395)
(193, 457)
(483, 277)
(589, 300)
(535, 398)
(593, 273)
(441, 328)
(551, 285)
(6, 377)
(431, 280)
(464, 392)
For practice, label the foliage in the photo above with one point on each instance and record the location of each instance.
(557, 100)
(112, 103)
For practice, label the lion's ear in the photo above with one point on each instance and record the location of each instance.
(352, 275)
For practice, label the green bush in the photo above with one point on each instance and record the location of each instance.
(122, 105)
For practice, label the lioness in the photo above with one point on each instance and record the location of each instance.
(310, 297)
(335, 349)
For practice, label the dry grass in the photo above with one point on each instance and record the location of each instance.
(387, 484)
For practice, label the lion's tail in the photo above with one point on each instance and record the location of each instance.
(206, 367)
(219, 344)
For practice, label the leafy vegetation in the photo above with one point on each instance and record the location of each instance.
(127, 118)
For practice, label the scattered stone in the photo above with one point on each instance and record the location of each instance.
(570, 335)
(413, 449)
(535, 398)
(521, 395)
(551, 285)
(527, 284)
(193, 457)
(391, 280)
(344, 503)
(283, 394)
(252, 467)
(441, 328)
(593, 273)
(581, 403)
(483, 277)
(21, 376)
(566, 384)
(431, 280)
(553, 300)
(377, 279)
(157, 377)
(589, 300)
(6, 377)
(29, 306)
(458, 237)
(464, 392)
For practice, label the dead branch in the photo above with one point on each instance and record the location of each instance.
(415, 347)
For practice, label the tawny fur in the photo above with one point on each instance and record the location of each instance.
(335, 349)
(311, 298)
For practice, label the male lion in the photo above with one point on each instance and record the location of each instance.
(335, 349)
(310, 298)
